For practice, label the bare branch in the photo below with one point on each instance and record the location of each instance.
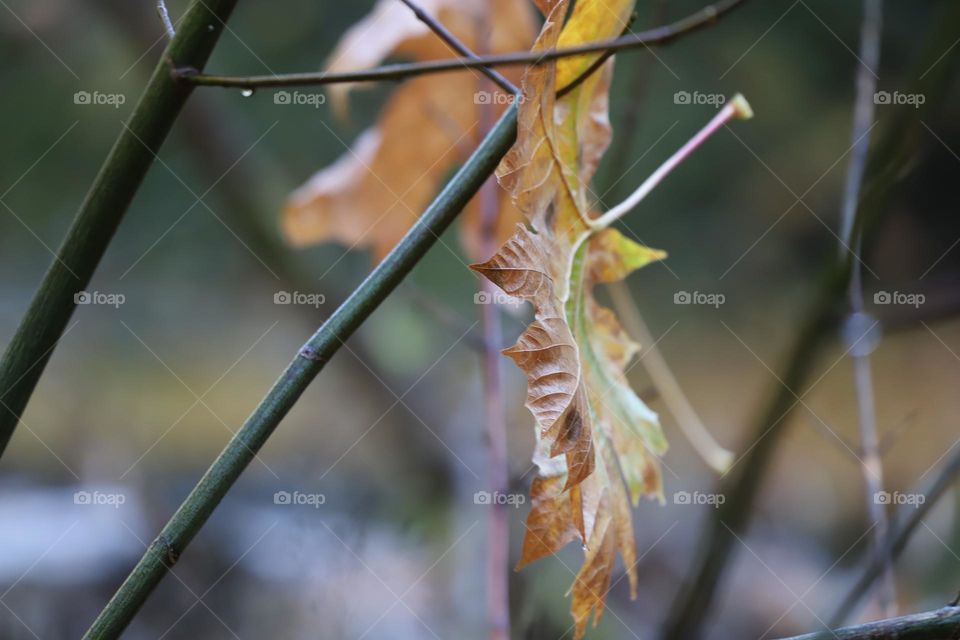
(444, 34)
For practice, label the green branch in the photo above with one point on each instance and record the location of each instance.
(241, 449)
(103, 209)
(942, 624)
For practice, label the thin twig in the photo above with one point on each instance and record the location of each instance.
(165, 19)
(942, 624)
(872, 464)
(600, 61)
(444, 34)
(656, 36)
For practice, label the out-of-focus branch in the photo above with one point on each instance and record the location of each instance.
(871, 461)
(498, 524)
(693, 428)
(741, 485)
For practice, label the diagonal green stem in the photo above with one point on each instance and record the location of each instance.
(219, 478)
(103, 209)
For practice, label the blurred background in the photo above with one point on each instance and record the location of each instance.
(375, 532)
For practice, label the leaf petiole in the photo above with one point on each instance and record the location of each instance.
(735, 109)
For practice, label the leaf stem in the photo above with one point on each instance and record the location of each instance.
(736, 108)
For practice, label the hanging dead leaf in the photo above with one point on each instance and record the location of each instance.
(574, 353)
(372, 195)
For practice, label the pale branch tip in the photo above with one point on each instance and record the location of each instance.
(165, 19)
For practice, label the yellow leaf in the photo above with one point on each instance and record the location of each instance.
(372, 195)
(597, 443)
